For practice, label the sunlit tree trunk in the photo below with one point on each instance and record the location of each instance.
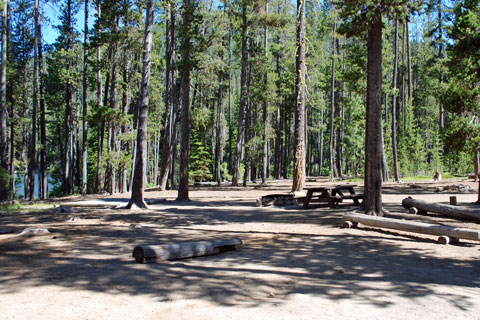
(138, 186)
(301, 69)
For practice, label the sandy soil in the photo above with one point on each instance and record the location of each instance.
(294, 263)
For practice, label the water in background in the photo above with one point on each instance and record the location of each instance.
(20, 185)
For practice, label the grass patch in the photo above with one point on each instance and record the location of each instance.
(26, 207)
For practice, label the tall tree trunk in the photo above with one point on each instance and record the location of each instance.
(320, 142)
(265, 174)
(301, 70)
(122, 174)
(85, 103)
(112, 130)
(230, 68)
(394, 104)
(243, 97)
(171, 99)
(137, 197)
(186, 47)
(4, 185)
(409, 65)
(441, 120)
(404, 89)
(68, 149)
(278, 122)
(373, 142)
(101, 128)
(385, 174)
(218, 134)
(333, 169)
(43, 133)
(33, 132)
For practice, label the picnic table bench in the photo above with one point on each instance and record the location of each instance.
(332, 195)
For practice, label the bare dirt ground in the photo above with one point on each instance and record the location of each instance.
(293, 264)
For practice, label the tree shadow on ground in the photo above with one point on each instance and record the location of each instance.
(270, 266)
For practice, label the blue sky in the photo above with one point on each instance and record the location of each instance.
(52, 12)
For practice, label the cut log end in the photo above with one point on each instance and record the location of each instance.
(413, 210)
(448, 240)
(349, 224)
(139, 254)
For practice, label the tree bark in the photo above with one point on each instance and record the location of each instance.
(33, 132)
(243, 97)
(394, 104)
(186, 47)
(299, 154)
(333, 169)
(138, 186)
(110, 175)
(43, 134)
(85, 103)
(68, 149)
(218, 134)
(4, 185)
(373, 143)
(265, 174)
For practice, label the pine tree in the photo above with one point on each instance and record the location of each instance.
(137, 197)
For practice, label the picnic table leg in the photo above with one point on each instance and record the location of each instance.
(307, 199)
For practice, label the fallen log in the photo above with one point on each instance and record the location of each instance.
(422, 206)
(444, 232)
(149, 254)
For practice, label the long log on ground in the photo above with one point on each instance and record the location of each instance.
(443, 209)
(351, 219)
(149, 254)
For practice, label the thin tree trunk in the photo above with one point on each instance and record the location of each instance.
(4, 186)
(33, 132)
(320, 142)
(243, 97)
(112, 133)
(85, 103)
(441, 121)
(122, 174)
(265, 174)
(333, 169)
(278, 121)
(186, 47)
(394, 104)
(409, 65)
(218, 134)
(138, 186)
(404, 89)
(68, 150)
(43, 134)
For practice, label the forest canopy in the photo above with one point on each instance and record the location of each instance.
(69, 109)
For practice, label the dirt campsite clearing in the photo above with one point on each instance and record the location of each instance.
(294, 263)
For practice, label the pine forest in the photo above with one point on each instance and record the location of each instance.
(167, 94)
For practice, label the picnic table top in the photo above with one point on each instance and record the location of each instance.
(338, 187)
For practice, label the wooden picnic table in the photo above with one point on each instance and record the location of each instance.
(332, 195)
